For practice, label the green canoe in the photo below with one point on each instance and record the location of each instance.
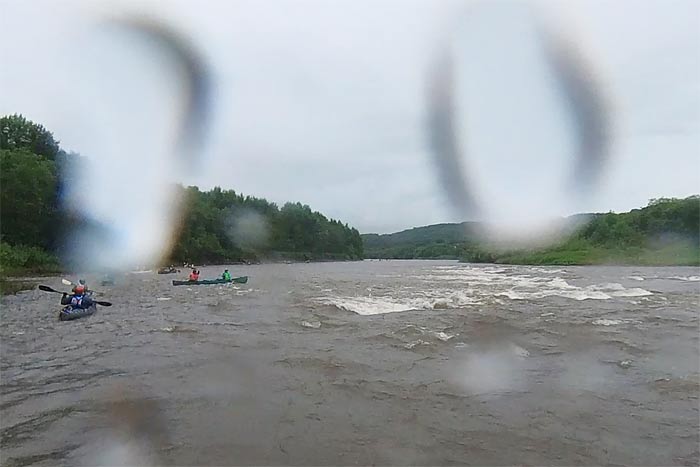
(236, 280)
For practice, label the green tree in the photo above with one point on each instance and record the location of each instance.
(16, 132)
(210, 230)
(27, 198)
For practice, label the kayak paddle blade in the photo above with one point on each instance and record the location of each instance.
(46, 288)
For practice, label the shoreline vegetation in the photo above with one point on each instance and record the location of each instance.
(222, 227)
(664, 233)
(219, 226)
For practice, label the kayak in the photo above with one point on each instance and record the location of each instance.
(69, 313)
(235, 280)
(168, 271)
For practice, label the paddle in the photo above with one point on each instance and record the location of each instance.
(46, 288)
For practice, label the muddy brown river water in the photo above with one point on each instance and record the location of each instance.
(374, 362)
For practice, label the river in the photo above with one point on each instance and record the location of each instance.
(373, 362)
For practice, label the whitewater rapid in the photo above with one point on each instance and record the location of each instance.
(464, 285)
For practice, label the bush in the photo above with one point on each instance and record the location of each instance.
(26, 259)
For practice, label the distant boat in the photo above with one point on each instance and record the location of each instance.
(168, 270)
(235, 280)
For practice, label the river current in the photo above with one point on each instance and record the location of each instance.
(373, 362)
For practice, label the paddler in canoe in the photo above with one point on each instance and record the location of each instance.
(194, 276)
(225, 278)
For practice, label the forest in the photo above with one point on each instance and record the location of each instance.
(222, 226)
(218, 225)
(665, 232)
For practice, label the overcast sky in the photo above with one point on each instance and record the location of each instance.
(324, 102)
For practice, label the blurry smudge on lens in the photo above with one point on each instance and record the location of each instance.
(444, 141)
(489, 166)
(149, 101)
(248, 229)
(193, 76)
(588, 106)
(137, 430)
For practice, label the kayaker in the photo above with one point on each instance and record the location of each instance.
(194, 275)
(226, 275)
(79, 297)
(81, 283)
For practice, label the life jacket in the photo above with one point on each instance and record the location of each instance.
(76, 300)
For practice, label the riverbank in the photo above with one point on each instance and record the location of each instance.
(581, 253)
(19, 262)
(664, 233)
(675, 255)
(11, 287)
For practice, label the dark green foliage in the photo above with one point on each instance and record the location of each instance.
(29, 165)
(18, 259)
(667, 231)
(222, 226)
(16, 132)
(444, 241)
(27, 198)
(218, 226)
(438, 233)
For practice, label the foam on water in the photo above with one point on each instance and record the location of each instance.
(560, 283)
(547, 270)
(634, 292)
(367, 306)
(686, 278)
(560, 288)
(415, 343)
(618, 290)
(311, 324)
(452, 287)
(608, 322)
(443, 336)
(608, 286)
(424, 300)
(576, 294)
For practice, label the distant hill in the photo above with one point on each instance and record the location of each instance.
(666, 232)
(439, 241)
(438, 234)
